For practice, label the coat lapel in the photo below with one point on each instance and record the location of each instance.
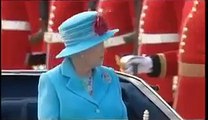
(102, 81)
(74, 84)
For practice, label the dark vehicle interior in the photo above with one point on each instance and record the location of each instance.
(19, 97)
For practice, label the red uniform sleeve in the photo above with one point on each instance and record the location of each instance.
(164, 64)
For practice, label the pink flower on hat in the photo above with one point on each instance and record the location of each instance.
(100, 25)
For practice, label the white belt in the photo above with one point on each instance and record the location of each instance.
(115, 41)
(15, 25)
(158, 38)
(52, 37)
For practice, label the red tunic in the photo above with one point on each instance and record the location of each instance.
(117, 15)
(15, 30)
(190, 98)
(190, 62)
(59, 12)
(159, 23)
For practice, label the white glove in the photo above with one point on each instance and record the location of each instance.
(144, 64)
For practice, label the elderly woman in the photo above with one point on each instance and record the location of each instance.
(80, 88)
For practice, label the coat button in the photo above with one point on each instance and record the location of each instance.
(52, 15)
(50, 22)
(145, 7)
(181, 50)
(141, 22)
(53, 7)
(97, 111)
(182, 43)
(141, 30)
(184, 36)
(143, 15)
(196, 2)
(185, 29)
(193, 9)
(190, 15)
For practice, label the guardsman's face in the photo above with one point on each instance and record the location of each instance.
(94, 56)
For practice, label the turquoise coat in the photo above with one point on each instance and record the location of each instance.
(62, 95)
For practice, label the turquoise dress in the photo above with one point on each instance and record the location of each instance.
(63, 96)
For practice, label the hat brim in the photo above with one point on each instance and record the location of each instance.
(68, 51)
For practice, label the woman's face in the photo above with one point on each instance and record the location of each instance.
(94, 56)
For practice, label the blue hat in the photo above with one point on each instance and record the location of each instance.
(83, 31)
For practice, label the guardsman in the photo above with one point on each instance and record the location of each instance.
(15, 30)
(158, 33)
(117, 15)
(190, 96)
(188, 62)
(38, 26)
(59, 12)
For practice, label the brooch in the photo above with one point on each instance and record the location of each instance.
(107, 77)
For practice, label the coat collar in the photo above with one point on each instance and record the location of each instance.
(101, 84)
(75, 83)
(67, 68)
